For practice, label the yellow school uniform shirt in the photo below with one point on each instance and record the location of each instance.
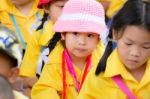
(25, 23)
(103, 87)
(38, 40)
(50, 83)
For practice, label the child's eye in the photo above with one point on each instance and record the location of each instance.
(146, 47)
(90, 35)
(61, 6)
(75, 33)
(128, 44)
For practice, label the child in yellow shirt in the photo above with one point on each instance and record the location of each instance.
(41, 37)
(80, 28)
(10, 58)
(39, 40)
(20, 16)
(124, 72)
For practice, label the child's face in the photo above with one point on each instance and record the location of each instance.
(7, 70)
(55, 9)
(5, 67)
(80, 45)
(134, 47)
(21, 2)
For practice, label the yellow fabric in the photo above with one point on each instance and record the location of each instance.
(103, 87)
(18, 95)
(38, 40)
(114, 6)
(24, 22)
(50, 82)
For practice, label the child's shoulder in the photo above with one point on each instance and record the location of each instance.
(98, 82)
(98, 78)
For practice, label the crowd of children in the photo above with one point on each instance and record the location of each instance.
(74, 49)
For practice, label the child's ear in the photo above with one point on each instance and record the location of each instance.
(13, 75)
(115, 35)
(46, 11)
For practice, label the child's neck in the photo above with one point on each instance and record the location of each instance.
(79, 62)
(25, 8)
(138, 73)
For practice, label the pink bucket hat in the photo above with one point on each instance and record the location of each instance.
(82, 16)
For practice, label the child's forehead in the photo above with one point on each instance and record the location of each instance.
(130, 29)
(136, 33)
(136, 28)
(4, 62)
(5, 66)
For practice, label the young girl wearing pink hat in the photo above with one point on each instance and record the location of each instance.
(80, 26)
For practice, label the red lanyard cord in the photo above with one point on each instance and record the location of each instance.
(85, 71)
(64, 76)
(65, 57)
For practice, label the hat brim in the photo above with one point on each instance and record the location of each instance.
(77, 26)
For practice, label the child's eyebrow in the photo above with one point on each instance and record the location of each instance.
(129, 39)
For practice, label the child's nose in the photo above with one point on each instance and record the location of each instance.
(135, 52)
(82, 40)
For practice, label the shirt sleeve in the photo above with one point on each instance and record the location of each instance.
(49, 84)
(29, 63)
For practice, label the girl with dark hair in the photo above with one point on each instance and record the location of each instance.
(81, 26)
(39, 41)
(41, 38)
(124, 72)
